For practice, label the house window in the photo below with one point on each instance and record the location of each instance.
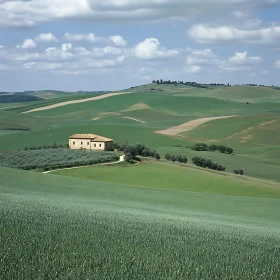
(73, 142)
(88, 143)
(100, 145)
(81, 143)
(95, 145)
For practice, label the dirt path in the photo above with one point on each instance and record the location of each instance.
(133, 119)
(75, 101)
(75, 167)
(190, 125)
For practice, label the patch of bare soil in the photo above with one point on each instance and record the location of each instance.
(267, 123)
(49, 107)
(190, 125)
(133, 119)
(138, 106)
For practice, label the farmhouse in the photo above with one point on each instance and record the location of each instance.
(90, 142)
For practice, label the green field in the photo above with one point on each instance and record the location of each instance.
(72, 228)
(153, 219)
(178, 178)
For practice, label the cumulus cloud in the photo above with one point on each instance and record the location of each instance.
(118, 40)
(151, 49)
(46, 38)
(207, 34)
(242, 58)
(27, 44)
(18, 13)
(1, 47)
(90, 37)
(240, 61)
(66, 47)
(277, 63)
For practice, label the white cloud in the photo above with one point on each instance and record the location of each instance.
(194, 69)
(46, 38)
(66, 47)
(55, 54)
(1, 47)
(277, 63)
(206, 34)
(118, 40)
(242, 58)
(41, 66)
(27, 44)
(90, 37)
(205, 53)
(150, 49)
(18, 13)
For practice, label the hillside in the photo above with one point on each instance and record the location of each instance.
(99, 229)
(152, 219)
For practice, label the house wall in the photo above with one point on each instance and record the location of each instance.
(77, 144)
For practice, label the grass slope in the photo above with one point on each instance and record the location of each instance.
(174, 177)
(72, 228)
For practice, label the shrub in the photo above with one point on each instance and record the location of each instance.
(213, 148)
(239, 171)
(179, 158)
(157, 156)
(207, 163)
(200, 147)
(167, 156)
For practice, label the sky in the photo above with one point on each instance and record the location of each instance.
(115, 44)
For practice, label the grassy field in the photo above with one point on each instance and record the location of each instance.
(152, 220)
(69, 228)
(175, 177)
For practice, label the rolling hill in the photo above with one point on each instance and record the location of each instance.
(154, 219)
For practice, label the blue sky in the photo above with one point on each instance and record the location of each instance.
(115, 44)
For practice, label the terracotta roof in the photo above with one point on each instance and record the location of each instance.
(92, 137)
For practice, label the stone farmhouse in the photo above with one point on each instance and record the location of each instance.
(90, 142)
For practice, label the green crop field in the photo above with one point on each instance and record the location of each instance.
(69, 228)
(175, 177)
(153, 219)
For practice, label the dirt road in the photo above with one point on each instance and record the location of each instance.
(190, 125)
(49, 107)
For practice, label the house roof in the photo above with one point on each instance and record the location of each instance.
(92, 137)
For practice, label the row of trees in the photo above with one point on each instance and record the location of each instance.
(239, 171)
(46, 147)
(193, 84)
(212, 148)
(207, 163)
(132, 151)
(173, 158)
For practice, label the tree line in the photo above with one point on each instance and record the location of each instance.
(193, 84)
(204, 147)
(132, 151)
(207, 163)
(178, 158)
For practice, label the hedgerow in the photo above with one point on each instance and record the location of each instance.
(48, 159)
(182, 159)
(207, 163)
(239, 171)
(204, 147)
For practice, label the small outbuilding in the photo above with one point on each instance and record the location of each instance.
(90, 142)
